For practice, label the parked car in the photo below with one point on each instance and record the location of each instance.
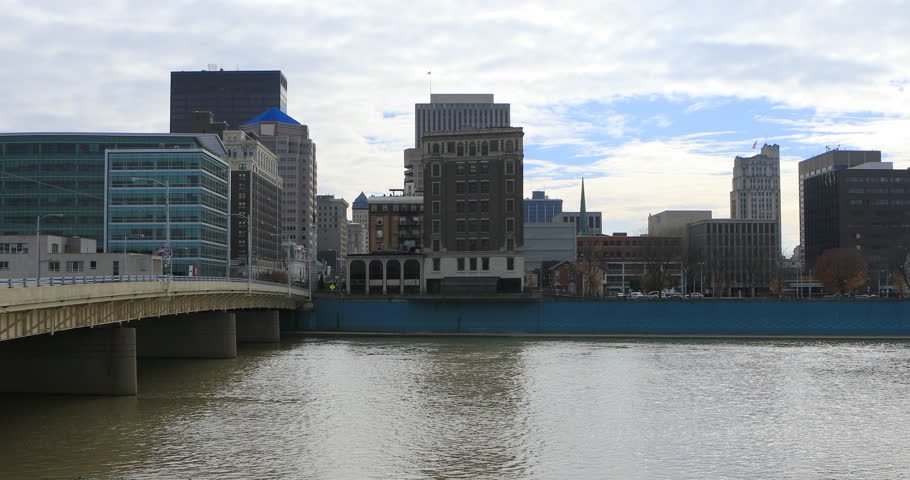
(695, 295)
(634, 295)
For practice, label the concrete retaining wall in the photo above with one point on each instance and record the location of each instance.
(771, 318)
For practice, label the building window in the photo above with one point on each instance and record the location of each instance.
(459, 169)
(459, 187)
(510, 146)
(485, 263)
(473, 264)
(484, 205)
(510, 244)
(472, 149)
(435, 188)
(436, 207)
(510, 167)
(460, 149)
(436, 245)
(53, 266)
(472, 168)
(93, 265)
(472, 187)
(472, 206)
(460, 264)
(459, 244)
(435, 226)
(484, 187)
(73, 266)
(484, 243)
(55, 248)
(510, 205)
(510, 263)
(459, 206)
(510, 186)
(4, 266)
(510, 225)
(378, 221)
(437, 265)
(459, 226)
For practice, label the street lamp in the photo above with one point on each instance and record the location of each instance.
(38, 245)
(123, 257)
(167, 209)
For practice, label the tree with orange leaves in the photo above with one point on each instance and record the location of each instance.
(841, 270)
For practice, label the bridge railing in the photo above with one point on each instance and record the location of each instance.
(94, 279)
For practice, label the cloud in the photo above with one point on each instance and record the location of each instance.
(643, 96)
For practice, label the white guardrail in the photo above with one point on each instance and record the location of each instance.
(92, 279)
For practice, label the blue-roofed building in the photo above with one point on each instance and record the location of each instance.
(273, 115)
(290, 141)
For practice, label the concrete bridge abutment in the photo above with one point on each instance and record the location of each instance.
(191, 335)
(87, 361)
(258, 326)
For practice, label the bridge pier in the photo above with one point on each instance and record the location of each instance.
(87, 361)
(190, 335)
(258, 326)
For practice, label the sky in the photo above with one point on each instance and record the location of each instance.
(648, 101)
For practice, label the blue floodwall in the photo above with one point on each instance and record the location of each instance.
(821, 318)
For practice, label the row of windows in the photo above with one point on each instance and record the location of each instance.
(414, 207)
(877, 190)
(473, 168)
(878, 179)
(458, 148)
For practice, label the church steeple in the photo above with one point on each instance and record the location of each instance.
(583, 213)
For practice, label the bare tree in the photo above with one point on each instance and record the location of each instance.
(841, 270)
(589, 266)
(660, 255)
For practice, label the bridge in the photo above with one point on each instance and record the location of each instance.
(82, 335)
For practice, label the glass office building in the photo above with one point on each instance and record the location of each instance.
(232, 96)
(49, 173)
(189, 185)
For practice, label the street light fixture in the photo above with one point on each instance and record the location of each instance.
(38, 245)
(167, 209)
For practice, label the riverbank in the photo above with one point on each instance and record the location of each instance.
(756, 318)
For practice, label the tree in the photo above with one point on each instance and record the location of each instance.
(661, 256)
(589, 266)
(899, 260)
(841, 270)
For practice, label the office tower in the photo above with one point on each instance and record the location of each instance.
(290, 141)
(864, 207)
(450, 112)
(540, 208)
(232, 96)
(826, 162)
(473, 208)
(256, 191)
(64, 173)
(756, 186)
(733, 256)
(331, 224)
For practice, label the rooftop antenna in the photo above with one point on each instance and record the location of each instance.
(430, 78)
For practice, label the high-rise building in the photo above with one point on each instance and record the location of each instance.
(331, 225)
(356, 239)
(756, 186)
(826, 162)
(865, 207)
(256, 191)
(473, 210)
(290, 141)
(449, 112)
(232, 96)
(540, 208)
(64, 173)
(734, 257)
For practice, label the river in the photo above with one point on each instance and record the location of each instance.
(497, 408)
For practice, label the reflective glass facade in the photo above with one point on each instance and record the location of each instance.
(235, 97)
(137, 206)
(64, 173)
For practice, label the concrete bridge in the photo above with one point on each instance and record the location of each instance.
(84, 337)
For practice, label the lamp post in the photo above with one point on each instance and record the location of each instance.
(38, 245)
(167, 212)
(123, 256)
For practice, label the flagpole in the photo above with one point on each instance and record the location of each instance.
(430, 78)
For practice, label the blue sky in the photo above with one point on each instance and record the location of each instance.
(650, 101)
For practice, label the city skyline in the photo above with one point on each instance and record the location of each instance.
(651, 107)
